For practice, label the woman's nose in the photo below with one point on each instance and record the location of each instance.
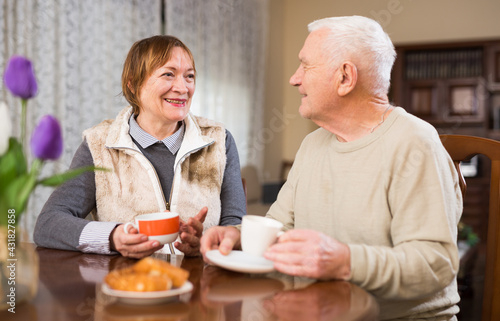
(179, 85)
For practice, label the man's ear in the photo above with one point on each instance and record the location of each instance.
(348, 77)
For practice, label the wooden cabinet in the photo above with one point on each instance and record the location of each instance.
(492, 61)
(456, 88)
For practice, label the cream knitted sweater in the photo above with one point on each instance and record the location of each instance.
(393, 197)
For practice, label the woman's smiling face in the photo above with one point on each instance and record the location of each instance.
(165, 97)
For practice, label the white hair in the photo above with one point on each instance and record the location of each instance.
(364, 38)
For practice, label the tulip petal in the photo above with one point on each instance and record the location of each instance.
(19, 77)
(5, 128)
(46, 141)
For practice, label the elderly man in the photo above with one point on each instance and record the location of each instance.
(372, 196)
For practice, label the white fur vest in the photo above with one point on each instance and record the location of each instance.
(132, 186)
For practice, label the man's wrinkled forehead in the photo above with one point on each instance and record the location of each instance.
(313, 45)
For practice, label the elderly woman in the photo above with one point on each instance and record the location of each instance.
(160, 157)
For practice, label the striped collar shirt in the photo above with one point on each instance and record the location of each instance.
(172, 142)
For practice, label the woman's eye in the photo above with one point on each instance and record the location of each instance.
(190, 76)
(168, 74)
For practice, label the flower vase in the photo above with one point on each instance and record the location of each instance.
(19, 268)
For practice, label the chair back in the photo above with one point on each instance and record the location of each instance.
(463, 148)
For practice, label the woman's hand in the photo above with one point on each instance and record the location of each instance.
(190, 234)
(224, 238)
(133, 244)
(311, 254)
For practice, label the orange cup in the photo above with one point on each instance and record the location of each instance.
(161, 226)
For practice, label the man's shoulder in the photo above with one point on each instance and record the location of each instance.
(319, 133)
(411, 131)
(318, 136)
(411, 122)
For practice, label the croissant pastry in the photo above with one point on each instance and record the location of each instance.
(147, 275)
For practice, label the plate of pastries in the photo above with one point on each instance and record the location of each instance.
(149, 281)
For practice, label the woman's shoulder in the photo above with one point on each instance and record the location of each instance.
(99, 130)
(204, 122)
(110, 125)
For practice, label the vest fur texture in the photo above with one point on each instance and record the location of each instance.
(132, 187)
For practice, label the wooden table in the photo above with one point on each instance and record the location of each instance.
(70, 289)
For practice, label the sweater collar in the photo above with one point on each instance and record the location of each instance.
(119, 136)
(145, 139)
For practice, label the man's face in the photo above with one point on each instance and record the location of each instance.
(314, 78)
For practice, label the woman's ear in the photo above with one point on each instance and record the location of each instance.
(348, 74)
(130, 87)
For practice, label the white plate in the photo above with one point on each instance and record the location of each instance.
(151, 297)
(240, 262)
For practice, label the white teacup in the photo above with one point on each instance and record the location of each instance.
(258, 233)
(161, 226)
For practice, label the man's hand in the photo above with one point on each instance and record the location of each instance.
(224, 238)
(311, 254)
(133, 244)
(190, 234)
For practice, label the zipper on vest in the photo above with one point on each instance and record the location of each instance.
(180, 162)
(167, 203)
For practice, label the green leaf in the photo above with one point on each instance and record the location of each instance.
(29, 185)
(12, 164)
(15, 195)
(25, 192)
(58, 179)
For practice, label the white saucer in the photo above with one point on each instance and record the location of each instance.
(240, 262)
(151, 297)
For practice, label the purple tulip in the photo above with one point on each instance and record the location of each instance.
(46, 141)
(19, 77)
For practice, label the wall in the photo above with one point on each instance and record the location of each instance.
(406, 21)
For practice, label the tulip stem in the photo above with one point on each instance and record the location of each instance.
(24, 103)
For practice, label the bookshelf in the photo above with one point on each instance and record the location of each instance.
(454, 86)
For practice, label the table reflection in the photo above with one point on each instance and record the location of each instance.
(237, 295)
(70, 289)
(333, 300)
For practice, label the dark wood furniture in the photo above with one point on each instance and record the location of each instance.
(463, 148)
(456, 88)
(70, 289)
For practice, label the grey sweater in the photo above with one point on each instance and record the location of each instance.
(62, 219)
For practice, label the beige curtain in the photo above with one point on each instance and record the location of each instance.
(228, 40)
(77, 49)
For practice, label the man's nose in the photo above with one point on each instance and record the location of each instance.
(296, 78)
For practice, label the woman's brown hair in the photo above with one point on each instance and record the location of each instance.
(144, 57)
